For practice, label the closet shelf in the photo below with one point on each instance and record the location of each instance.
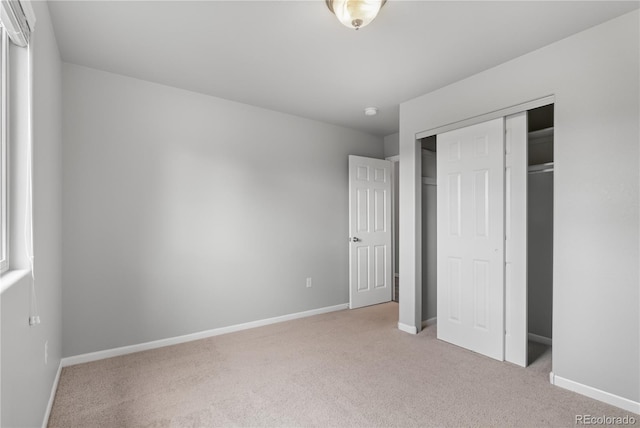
(541, 133)
(543, 167)
(429, 180)
(541, 136)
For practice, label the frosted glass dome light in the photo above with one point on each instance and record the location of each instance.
(355, 13)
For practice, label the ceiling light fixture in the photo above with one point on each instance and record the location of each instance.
(371, 111)
(355, 13)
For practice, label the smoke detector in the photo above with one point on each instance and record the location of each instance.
(370, 111)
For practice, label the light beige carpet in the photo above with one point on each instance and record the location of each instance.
(348, 368)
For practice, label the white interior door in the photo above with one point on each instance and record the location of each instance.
(470, 207)
(515, 274)
(369, 231)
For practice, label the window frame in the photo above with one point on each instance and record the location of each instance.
(4, 152)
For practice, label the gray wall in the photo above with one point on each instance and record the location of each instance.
(391, 145)
(184, 212)
(391, 149)
(26, 380)
(594, 77)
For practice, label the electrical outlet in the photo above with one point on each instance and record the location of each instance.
(46, 352)
(309, 284)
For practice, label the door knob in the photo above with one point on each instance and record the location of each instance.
(355, 239)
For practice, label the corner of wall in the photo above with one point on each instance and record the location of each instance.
(391, 145)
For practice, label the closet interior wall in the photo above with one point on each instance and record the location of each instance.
(396, 230)
(429, 229)
(540, 223)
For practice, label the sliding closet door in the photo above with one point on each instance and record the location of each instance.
(515, 273)
(470, 209)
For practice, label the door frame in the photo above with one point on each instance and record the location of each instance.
(507, 111)
(395, 163)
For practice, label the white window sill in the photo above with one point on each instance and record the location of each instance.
(9, 278)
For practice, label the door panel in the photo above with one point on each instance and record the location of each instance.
(454, 285)
(380, 254)
(471, 237)
(516, 162)
(363, 268)
(362, 207)
(370, 231)
(380, 212)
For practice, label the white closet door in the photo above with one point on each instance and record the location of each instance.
(471, 237)
(516, 162)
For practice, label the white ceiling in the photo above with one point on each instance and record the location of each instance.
(295, 57)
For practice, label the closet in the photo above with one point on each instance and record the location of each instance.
(540, 226)
(429, 230)
(487, 235)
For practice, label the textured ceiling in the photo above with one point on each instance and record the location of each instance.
(295, 57)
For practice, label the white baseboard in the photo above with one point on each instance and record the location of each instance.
(540, 339)
(597, 394)
(108, 353)
(429, 322)
(407, 328)
(54, 389)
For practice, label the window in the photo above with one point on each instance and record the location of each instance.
(16, 24)
(4, 163)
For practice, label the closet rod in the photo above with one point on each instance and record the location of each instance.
(540, 171)
(543, 167)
